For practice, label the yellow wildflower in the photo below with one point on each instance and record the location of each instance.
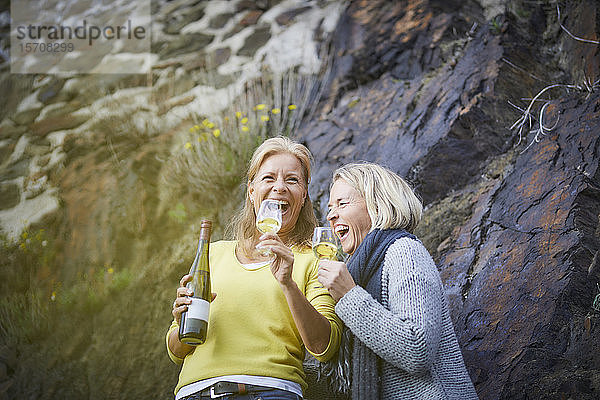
(205, 122)
(245, 128)
(217, 133)
(192, 130)
(53, 296)
(291, 107)
(276, 110)
(210, 125)
(260, 107)
(264, 118)
(188, 145)
(244, 120)
(110, 270)
(238, 114)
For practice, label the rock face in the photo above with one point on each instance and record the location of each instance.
(91, 215)
(530, 279)
(520, 228)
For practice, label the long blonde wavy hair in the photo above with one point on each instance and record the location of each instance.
(243, 226)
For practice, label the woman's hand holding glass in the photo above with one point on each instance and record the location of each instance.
(268, 220)
(333, 274)
(283, 257)
(336, 278)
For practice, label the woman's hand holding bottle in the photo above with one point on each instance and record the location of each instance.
(183, 298)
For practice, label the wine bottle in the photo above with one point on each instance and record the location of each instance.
(194, 321)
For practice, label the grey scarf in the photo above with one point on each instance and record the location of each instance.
(366, 266)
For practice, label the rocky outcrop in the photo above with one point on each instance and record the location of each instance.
(530, 279)
(514, 228)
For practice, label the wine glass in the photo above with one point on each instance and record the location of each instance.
(325, 243)
(268, 219)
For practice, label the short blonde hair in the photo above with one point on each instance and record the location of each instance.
(391, 203)
(243, 225)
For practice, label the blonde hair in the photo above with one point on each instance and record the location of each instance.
(243, 225)
(390, 201)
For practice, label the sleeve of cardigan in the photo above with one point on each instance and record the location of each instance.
(407, 335)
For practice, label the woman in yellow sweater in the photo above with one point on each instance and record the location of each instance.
(266, 311)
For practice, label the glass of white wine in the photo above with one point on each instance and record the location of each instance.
(268, 219)
(325, 243)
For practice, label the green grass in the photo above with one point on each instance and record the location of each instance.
(24, 317)
(33, 296)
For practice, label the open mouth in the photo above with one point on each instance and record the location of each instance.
(283, 205)
(342, 231)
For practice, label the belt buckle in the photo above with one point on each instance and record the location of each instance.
(216, 396)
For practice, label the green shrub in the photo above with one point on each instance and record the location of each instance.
(120, 281)
(211, 158)
(24, 317)
(26, 267)
(92, 291)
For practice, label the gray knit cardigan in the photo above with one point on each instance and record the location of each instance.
(412, 331)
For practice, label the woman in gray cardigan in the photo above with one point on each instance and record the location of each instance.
(389, 294)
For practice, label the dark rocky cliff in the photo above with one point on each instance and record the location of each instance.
(99, 226)
(424, 88)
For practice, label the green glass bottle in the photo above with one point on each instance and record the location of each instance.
(194, 321)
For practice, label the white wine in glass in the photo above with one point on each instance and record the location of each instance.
(268, 224)
(268, 219)
(325, 243)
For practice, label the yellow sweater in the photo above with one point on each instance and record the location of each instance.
(251, 330)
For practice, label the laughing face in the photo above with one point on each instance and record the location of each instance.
(280, 177)
(348, 215)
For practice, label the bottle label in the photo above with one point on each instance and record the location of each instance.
(198, 309)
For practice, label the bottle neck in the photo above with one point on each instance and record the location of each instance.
(205, 230)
